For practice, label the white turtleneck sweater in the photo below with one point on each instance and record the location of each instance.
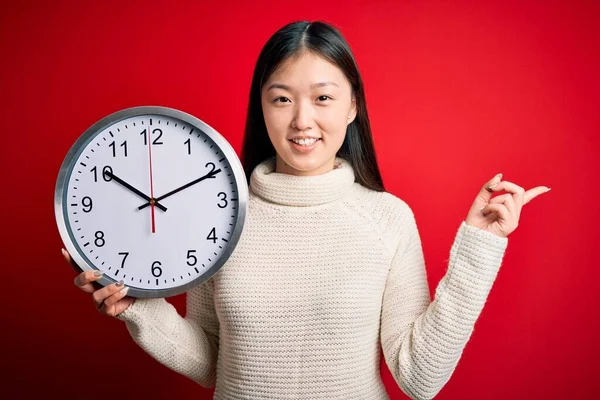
(325, 274)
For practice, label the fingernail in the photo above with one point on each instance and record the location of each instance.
(120, 283)
(498, 175)
(547, 190)
(491, 186)
(124, 290)
(64, 253)
(98, 272)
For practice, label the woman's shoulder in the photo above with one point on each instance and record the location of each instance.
(379, 202)
(387, 212)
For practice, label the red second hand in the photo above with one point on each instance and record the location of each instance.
(151, 187)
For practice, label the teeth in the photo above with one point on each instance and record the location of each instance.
(304, 142)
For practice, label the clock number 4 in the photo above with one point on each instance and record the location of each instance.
(212, 235)
(154, 132)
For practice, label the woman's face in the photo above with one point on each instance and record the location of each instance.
(307, 97)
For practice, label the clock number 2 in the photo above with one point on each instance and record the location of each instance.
(156, 271)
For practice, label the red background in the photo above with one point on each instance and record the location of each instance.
(456, 92)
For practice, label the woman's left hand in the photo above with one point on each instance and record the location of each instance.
(500, 215)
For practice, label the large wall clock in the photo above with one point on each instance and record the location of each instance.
(152, 196)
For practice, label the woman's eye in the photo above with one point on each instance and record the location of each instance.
(324, 97)
(276, 100)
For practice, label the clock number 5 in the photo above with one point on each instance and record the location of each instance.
(191, 257)
(154, 131)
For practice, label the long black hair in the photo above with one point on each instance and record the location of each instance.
(326, 41)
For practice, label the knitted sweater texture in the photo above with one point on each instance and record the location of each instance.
(326, 274)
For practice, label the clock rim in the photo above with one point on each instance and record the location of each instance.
(66, 168)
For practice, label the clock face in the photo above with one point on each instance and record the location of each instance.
(152, 196)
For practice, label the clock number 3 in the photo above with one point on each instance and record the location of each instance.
(223, 199)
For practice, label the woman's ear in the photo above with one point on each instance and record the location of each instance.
(352, 113)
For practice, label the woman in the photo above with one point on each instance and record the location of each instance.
(329, 268)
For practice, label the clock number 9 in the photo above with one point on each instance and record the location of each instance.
(87, 205)
(223, 199)
(104, 170)
(156, 271)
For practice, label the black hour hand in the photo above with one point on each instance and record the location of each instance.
(134, 190)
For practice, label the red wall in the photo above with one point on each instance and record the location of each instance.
(457, 92)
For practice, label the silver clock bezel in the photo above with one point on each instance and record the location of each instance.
(82, 261)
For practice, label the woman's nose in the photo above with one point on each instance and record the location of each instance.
(303, 118)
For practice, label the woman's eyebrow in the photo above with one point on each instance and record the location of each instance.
(315, 85)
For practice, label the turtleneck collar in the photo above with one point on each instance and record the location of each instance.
(293, 190)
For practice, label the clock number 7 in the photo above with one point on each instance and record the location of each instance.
(124, 258)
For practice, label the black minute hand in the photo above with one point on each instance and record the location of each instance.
(134, 190)
(187, 185)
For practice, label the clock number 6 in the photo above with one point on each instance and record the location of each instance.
(156, 271)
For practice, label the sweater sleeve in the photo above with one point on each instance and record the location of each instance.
(423, 340)
(187, 345)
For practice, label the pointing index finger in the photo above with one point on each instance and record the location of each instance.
(533, 193)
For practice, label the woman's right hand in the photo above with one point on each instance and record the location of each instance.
(109, 300)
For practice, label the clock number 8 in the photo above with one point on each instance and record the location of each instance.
(99, 241)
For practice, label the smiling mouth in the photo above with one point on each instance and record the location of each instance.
(305, 143)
